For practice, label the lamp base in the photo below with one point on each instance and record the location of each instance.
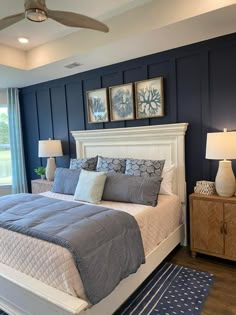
(225, 180)
(50, 169)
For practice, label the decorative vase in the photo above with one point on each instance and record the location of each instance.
(225, 180)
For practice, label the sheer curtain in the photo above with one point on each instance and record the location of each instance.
(19, 183)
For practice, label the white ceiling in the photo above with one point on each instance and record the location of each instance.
(137, 28)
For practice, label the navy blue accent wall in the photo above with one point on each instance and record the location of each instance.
(199, 88)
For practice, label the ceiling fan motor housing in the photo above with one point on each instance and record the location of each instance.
(36, 10)
(36, 15)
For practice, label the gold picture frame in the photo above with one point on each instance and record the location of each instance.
(149, 98)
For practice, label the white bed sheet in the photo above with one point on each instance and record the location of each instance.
(54, 265)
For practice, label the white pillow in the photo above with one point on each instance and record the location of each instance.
(90, 186)
(167, 181)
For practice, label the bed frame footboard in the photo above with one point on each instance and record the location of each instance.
(21, 294)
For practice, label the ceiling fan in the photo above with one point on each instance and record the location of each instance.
(37, 11)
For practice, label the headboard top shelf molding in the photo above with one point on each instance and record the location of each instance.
(153, 131)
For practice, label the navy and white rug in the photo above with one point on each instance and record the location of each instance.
(170, 290)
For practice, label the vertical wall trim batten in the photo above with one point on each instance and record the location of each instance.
(206, 117)
(50, 98)
(37, 113)
(173, 88)
(67, 120)
(84, 103)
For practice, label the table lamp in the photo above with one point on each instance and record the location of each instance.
(222, 146)
(50, 149)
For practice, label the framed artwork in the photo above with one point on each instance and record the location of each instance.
(121, 102)
(97, 106)
(149, 98)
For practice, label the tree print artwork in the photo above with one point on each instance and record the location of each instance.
(149, 98)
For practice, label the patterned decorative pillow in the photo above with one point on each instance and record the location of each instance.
(86, 164)
(138, 167)
(106, 164)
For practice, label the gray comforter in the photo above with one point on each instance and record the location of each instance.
(106, 244)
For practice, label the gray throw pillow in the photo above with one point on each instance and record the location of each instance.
(106, 164)
(86, 164)
(148, 168)
(132, 189)
(65, 181)
(90, 186)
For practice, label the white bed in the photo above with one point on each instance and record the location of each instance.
(21, 294)
(54, 265)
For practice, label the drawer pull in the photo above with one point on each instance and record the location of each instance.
(222, 227)
(225, 228)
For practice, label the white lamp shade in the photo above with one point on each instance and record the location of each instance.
(50, 148)
(221, 145)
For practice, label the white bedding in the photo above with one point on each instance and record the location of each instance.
(54, 265)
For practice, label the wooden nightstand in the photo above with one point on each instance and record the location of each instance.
(213, 225)
(39, 186)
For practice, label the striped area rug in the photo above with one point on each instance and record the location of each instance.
(170, 290)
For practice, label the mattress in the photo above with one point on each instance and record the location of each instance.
(54, 265)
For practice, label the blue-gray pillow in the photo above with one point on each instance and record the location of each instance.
(107, 164)
(148, 168)
(90, 186)
(132, 189)
(65, 181)
(86, 163)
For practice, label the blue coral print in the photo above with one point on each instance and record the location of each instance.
(149, 98)
(122, 104)
(98, 109)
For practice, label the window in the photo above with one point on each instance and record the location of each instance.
(5, 151)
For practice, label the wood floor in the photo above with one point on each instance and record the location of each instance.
(222, 296)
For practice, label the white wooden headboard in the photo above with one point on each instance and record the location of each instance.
(150, 142)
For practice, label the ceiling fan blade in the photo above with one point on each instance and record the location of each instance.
(12, 19)
(77, 20)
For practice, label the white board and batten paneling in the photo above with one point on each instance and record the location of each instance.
(21, 294)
